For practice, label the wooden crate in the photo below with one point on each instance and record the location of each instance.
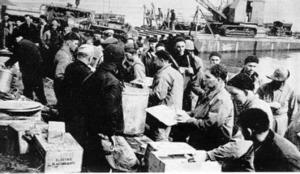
(62, 157)
(179, 163)
(175, 157)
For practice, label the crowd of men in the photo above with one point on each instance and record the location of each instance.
(240, 122)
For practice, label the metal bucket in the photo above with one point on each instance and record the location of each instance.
(134, 103)
(5, 80)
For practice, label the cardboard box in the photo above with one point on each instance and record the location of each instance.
(64, 157)
(175, 157)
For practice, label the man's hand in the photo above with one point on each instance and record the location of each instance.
(182, 117)
(275, 105)
(190, 70)
(200, 156)
(2, 66)
(181, 70)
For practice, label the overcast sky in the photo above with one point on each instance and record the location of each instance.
(286, 10)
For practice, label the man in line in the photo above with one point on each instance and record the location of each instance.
(211, 123)
(189, 65)
(108, 38)
(75, 74)
(102, 104)
(190, 98)
(62, 59)
(149, 57)
(29, 31)
(281, 98)
(241, 89)
(167, 90)
(250, 65)
(30, 62)
(215, 58)
(133, 64)
(197, 82)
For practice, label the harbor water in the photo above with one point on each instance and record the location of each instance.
(269, 61)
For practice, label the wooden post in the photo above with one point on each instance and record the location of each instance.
(2, 32)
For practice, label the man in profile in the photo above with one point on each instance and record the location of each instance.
(272, 152)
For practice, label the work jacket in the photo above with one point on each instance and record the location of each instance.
(167, 88)
(213, 120)
(276, 154)
(29, 58)
(103, 101)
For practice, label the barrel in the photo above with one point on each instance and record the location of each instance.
(134, 103)
(5, 80)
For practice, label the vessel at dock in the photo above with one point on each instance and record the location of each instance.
(239, 26)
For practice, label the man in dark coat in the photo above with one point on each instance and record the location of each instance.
(272, 153)
(29, 30)
(75, 75)
(30, 61)
(103, 103)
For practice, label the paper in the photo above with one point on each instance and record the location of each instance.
(164, 114)
(147, 81)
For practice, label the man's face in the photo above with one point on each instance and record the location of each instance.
(214, 60)
(28, 19)
(158, 63)
(97, 36)
(180, 47)
(250, 68)
(209, 80)
(152, 45)
(237, 95)
(6, 17)
(129, 58)
(73, 45)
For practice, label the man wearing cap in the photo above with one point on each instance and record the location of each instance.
(108, 38)
(149, 57)
(236, 155)
(75, 74)
(214, 58)
(62, 59)
(133, 65)
(189, 66)
(30, 61)
(29, 31)
(281, 98)
(241, 89)
(167, 89)
(102, 104)
(249, 69)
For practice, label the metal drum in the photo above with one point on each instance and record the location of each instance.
(5, 80)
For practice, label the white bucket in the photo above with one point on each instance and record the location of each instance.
(134, 103)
